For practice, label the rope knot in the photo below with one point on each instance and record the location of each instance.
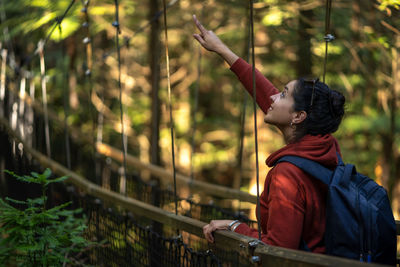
(116, 24)
(58, 20)
(86, 40)
(329, 37)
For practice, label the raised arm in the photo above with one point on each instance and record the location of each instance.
(241, 68)
(265, 89)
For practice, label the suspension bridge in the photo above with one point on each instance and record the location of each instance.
(142, 222)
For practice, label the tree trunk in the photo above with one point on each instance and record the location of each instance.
(154, 58)
(304, 62)
(355, 29)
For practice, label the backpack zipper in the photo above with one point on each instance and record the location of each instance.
(369, 237)
(369, 257)
(361, 224)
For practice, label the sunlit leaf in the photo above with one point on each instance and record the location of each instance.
(68, 27)
(275, 17)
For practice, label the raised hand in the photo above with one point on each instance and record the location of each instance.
(207, 38)
(211, 42)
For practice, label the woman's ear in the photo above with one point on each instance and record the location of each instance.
(299, 117)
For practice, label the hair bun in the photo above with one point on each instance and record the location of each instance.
(336, 103)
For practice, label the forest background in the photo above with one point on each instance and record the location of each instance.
(363, 63)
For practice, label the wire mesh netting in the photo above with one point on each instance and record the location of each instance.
(127, 240)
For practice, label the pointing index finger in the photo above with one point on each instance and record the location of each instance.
(199, 25)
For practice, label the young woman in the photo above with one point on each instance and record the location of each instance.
(292, 205)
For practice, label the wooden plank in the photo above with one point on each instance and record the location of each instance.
(277, 256)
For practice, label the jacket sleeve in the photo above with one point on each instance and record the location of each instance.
(285, 216)
(265, 88)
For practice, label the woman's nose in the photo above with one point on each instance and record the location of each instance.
(274, 97)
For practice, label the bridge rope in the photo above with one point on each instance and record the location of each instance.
(88, 70)
(171, 121)
(255, 114)
(194, 112)
(243, 114)
(328, 36)
(123, 139)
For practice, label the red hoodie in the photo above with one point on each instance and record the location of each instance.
(293, 204)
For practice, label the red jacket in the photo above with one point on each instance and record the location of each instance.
(293, 204)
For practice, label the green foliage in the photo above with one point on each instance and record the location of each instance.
(42, 14)
(387, 3)
(35, 235)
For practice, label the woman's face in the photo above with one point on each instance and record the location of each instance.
(281, 111)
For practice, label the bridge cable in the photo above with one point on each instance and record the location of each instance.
(123, 139)
(243, 116)
(194, 112)
(328, 36)
(88, 74)
(255, 115)
(170, 104)
(196, 105)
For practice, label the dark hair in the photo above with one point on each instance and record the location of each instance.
(326, 112)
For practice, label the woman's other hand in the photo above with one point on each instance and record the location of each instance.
(215, 225)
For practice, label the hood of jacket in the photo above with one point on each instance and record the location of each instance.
(320, 148)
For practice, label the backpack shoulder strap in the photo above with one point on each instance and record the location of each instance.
(311, 167)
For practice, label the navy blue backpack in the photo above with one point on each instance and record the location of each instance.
(359, 219)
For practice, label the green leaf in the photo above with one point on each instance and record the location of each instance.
(47, 173)
(36, 201)
(16, 201)
(57, 180)
(35, 174)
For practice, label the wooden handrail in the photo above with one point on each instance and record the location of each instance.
(266, 255)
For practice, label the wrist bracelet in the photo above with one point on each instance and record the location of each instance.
(235, 226)
(231, 224)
